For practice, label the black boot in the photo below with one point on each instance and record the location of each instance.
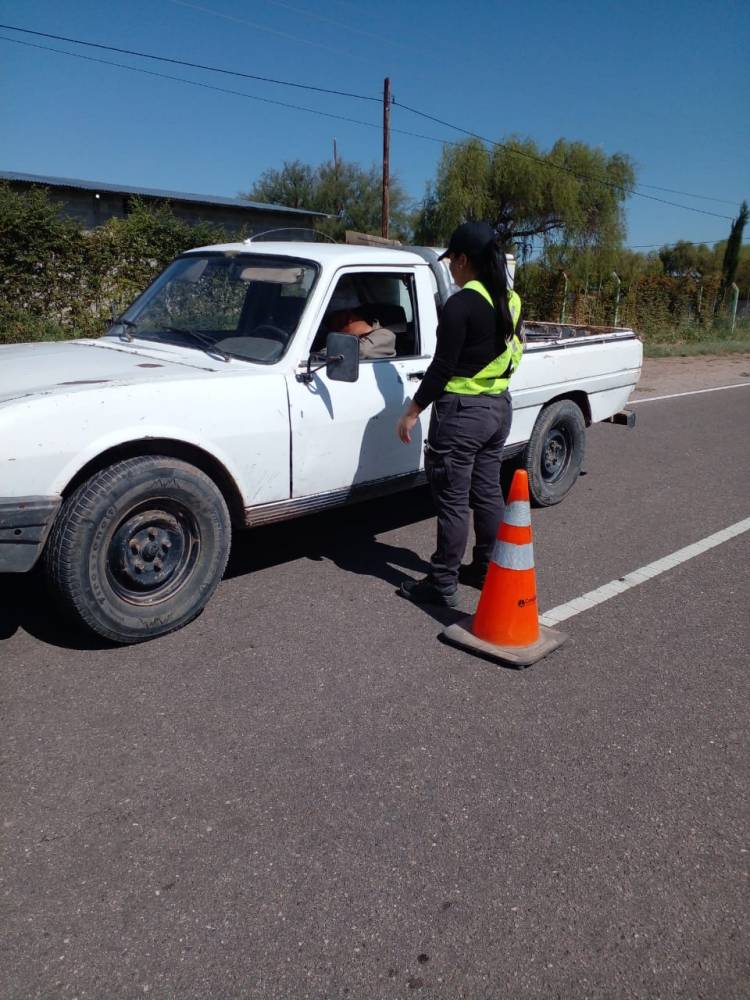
(473, 575)
(425, 592)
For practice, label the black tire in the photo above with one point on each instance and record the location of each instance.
(138, 549)
(555, 452)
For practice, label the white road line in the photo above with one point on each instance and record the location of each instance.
(638, 576)
(693, 392)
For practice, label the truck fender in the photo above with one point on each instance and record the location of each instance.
(166, 441)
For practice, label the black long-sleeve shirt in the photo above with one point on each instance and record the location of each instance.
(467, 341)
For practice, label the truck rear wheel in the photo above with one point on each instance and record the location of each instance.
(554, 454)
(138, 549)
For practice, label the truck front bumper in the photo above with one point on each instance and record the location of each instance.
(25, 523)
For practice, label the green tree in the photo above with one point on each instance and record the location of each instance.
(351, 195)
(731, 259)
(680, 259)
(572, 193)
(294, 186)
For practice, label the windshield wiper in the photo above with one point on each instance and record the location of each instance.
(206, 343)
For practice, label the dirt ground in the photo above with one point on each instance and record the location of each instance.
(662, 376)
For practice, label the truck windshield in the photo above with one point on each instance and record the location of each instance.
(243, 305)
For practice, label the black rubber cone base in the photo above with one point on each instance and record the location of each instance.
(516, 656)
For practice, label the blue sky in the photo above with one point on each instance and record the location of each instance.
(667, 83)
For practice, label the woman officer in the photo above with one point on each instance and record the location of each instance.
(467, 383)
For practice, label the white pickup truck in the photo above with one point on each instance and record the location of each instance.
(219, 400)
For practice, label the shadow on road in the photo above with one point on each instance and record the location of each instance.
(26, 604)
(347, 536)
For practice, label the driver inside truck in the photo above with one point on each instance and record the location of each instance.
(346, 315)
(375, 341)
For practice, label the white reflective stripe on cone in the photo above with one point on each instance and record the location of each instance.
(518, 514)
(510, 556)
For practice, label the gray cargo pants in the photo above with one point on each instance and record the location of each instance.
(463, 454)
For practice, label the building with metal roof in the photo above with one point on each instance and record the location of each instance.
(92, 203)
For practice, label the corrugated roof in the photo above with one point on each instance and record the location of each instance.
(206, 199)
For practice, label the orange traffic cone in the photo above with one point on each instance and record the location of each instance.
(506, 624)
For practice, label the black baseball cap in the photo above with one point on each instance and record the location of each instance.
(470, 238)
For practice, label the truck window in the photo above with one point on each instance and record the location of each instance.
(380, 300)
(248, 305)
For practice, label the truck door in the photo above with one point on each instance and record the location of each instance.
(344, 434)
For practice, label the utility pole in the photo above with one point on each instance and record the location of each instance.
(386, 211)
(335, 157)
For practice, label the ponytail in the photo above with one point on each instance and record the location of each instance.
(492, 270)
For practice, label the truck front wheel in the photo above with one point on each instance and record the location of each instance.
(139, 548)
(554, 454)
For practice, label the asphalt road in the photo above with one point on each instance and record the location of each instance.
(306, 794)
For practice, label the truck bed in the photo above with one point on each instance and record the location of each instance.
(535, 331)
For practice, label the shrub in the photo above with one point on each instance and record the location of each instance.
(59, 282)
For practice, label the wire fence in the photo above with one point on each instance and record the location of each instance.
(659, 307)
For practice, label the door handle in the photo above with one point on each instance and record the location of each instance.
(415, 376)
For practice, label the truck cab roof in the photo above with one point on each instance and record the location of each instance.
(323, 253)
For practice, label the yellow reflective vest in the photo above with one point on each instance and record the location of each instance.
(494, 377)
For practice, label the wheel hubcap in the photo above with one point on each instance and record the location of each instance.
(152, 552)
(555, 454)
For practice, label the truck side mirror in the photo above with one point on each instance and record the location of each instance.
(342, 357)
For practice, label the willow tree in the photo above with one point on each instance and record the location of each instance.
(571, 195)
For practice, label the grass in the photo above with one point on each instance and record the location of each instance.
(692, 339)
(696, 348)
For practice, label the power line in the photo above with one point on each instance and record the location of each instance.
(692, 243)
(556, 166)
(339, 93)
(192, 83)
(222, 90)
(190, 65)
(296, 107)
(296, 10)
(258, 27)
(688, 194)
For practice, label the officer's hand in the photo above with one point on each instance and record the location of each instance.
(405, 425)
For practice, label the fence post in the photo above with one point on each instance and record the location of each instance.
(616, 276)
(735, 298)
(565, 297)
